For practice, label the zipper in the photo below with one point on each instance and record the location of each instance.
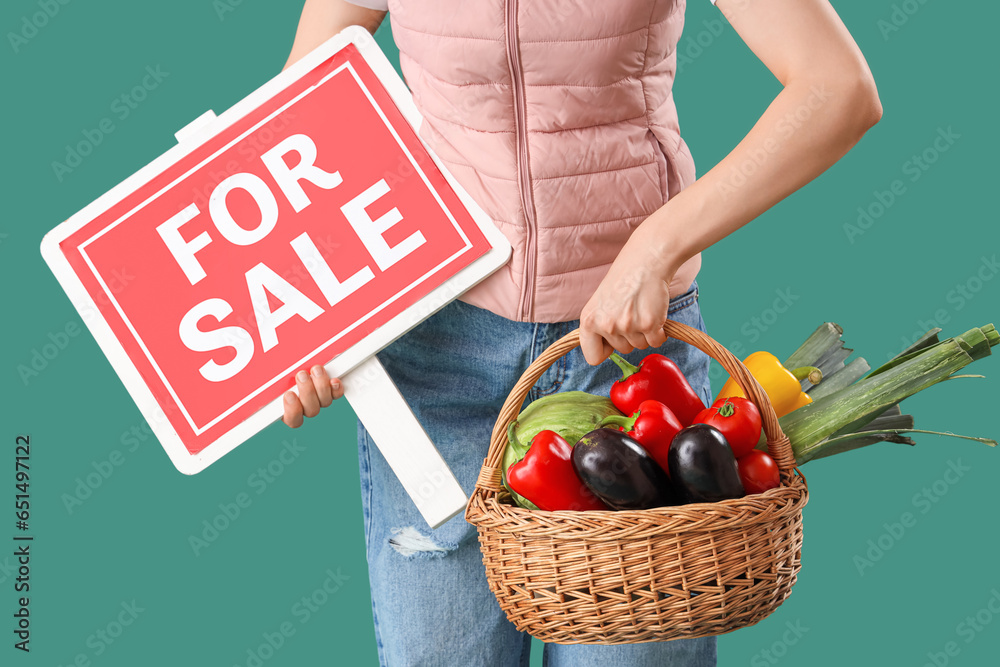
(526, 307)
(661, 165)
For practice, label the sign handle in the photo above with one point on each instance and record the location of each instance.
(195, 126)
(403, 442)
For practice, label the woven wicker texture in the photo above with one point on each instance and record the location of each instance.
(614, 577)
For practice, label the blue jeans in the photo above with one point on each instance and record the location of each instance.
(430, 601)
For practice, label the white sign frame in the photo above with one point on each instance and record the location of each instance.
(366, 384)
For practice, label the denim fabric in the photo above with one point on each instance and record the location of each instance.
(430, 601)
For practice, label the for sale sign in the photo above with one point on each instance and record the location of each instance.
(309, 218)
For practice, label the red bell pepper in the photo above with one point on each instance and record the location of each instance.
(653, 425)
(546, 477)
(656, 377)
(738, 419)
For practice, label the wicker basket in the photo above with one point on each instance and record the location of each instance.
(622, 577)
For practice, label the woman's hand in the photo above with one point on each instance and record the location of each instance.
(316, 390)
(629, 307)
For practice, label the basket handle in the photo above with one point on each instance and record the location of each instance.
(778, 444)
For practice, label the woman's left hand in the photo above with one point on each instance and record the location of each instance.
(629, 308)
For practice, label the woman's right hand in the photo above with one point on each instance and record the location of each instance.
(316, 390)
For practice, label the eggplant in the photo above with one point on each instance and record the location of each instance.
(620, 472)
(702, 466)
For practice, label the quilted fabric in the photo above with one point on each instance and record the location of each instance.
(598, 147)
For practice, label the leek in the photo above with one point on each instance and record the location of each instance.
(865, 412)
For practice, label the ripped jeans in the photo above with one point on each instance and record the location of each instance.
(430, 601)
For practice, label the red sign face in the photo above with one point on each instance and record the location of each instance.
(276, 245)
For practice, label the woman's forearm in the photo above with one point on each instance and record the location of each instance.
(828, 102)
(810, 125)
(322, 19)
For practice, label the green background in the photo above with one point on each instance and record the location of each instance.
(130, 539)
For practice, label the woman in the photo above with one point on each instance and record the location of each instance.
(558, 119)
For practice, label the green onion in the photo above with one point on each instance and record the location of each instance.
(824, 350)
(826, 337)
(850, 374)
(843, 419)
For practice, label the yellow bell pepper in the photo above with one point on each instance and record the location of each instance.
(783, 387)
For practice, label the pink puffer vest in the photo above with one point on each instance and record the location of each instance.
(557, 117)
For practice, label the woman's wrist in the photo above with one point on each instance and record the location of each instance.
(660, 242)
